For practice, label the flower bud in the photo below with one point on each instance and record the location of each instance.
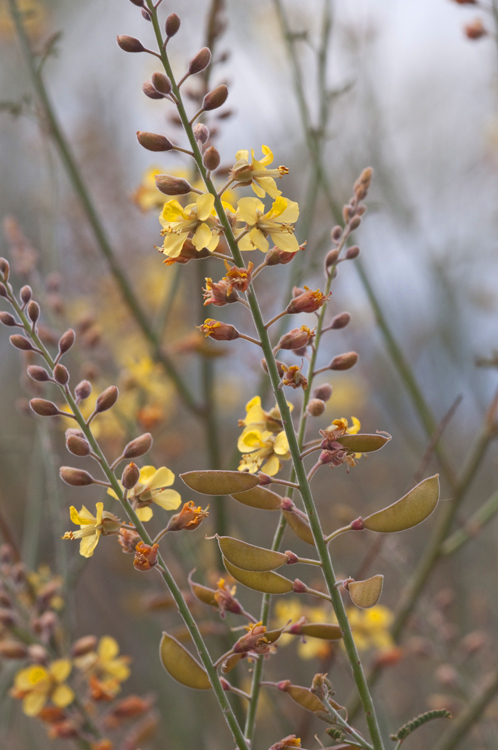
(307, 301)
(84, 645)
(154, 141)
(33, 311)
(170, 185)
(107, 399)
(352, 252)
(139, 446)
(66, 341)
(200, 62)
(201, 133)
(44, 408)
(78, 446)
(146, 15)
(323, 392)
(21, 342)
(7, 319)
(219, 331)
(344, 361)
(211, 158)
(475, 29)
(129, 43)
(357, 524)
(336, 233)
(215, 98)
(172, 25)
(331, 258)
(12, 650)
(61, 374)
(25, 294)
(340, 321)
(8, 617)
(75, 477)
(130, 476)
(83, 390)
(3, 290)
(150, 91)
(297, 338)
(4, 268)
(138, 3)
(355, 223)
(299, 587)
(38, 654)
(315, 407)
(161, 83)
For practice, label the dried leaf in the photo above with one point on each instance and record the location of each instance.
(267, 582)
(248, 556)
(409, 511)
(259, 497)
(219, 482)
(181, 665)
(367, 593)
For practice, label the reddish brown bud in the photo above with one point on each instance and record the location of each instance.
(130, 476)
(20, 342)
(200, 62)
(211, 158)
(344, 361)
(307, 301)
(61, 374)
(292, 557)
(75, 477)
(336, 233)
(44, 408)
(297, 338)
(264, 479)
(3, 290)
(129, 43)
(219, 331)
(128, 540)
(358, 525)
(475, 29)
(25, 294)
(7, 617)
(323, 392)
(154, 141)
(83, 390)
(38, 653)
(139, 446)
(33, 311)
(299, 587)
(215, 98)
(66, 341)
(172, 25)
(84, 646)
(331, 258)
(4, 268)
(340, 321)
(170, 185)
(355, 223)
(280, 367)
(7, 319)
(161, 83)
(78, 446)
(315, 407)
(13, 650)
(138, 3)
(277, 257)
(201, 133)
(107, 399)
(150, 91)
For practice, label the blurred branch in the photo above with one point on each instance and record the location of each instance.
(472, 527)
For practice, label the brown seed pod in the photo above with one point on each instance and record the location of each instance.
(408, 511)
(219, 482)
(181, 665)
(248, 556)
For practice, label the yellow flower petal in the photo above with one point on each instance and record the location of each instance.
(33, 703)
(62, 696)
(281, 445)
(88, 544)
(245, 244)
(202, 236)
(81, 518)
(108, 648)
(163, 477)
(144, 514)
(172, 211)
(257, 238)
(27, 678)
(168, 499)
(271, 466)
(205, 204)
(285, 241)
(247, 210)
(60, 669)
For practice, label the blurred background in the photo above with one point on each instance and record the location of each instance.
(411, 94)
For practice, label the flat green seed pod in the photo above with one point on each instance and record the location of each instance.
(267, 582)
(367, 593)
(248, 556)
(410, 510)
(231, 662)
(305, 698)
(299, 526)
(203, 593)
(324, 630)
(273, 635)
(363, 443)
(219, 482)
(181, 665)
(259, 497)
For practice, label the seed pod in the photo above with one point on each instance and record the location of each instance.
(408, 511)
(130, 476)
(83, 390)
(33, 311)
(181, 665)
(301, 695)
(299, 525)
(170, 185)
(12, 650)
(215, 98)
(107, 399)
(367, 593)
(25, 294)
(44, 408)
(203, 593)
(150, 91)
(139, 446)
(266, 582)
(129, 43)
(75, 477)
(84, 645)
(315, 407)
(199, 62)
(201, 133)
(363, 443)
(154, 141)
(248, 556)
(7, 319)
(231, 662)
(340, 321)
(161, 83)
(78, 446)
(20, 342)
(323, 392)
(344, 361)
(66, 341)
(326, 631)
(211, 158)
(219, 482)
(61, 374)
(259, 497)
(172, 25)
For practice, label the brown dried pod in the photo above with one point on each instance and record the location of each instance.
(161, 83)
(170, 185)
(172, 25)
(211, 158)
(130, 476)
(25, 294)
(129, 43)
(21, 342)
(248, 556)
(199, 62)
(83, 390)
(150, 91)
(44, 408)
(78, 446)
(267, 582)
(201, 133)
(367, 593)
(107, 399)
(139, 446)
(154, 141)
(75, 477)
(215, 98)
(66, 341)
(408, 511)
(7, 319)
(61, 374)
(259, 497)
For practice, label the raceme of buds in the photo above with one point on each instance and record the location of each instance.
(107, 399)
(215, 98)
(130, 476)
(145, 556)
(44, 408)
(83, 390)
(201, 133)
(199, 62)
(323, 392)
(129, 43)
(161, 83)
(315, 407)
(75, 477)
(20, 342)
(66, 341)
(150, 91)
(344, 361)
(172, 25)
(219, 331)
(61, 374)
(33, 311)
(38, 373)
(211, 158)
(138, 447)
(78, 446)
(154, 141)
(170, 185)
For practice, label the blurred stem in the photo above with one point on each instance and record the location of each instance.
(164, 311)
(92, 216)
(472, 527)
(34, 507)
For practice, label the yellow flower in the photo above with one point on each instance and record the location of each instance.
(293, 609)
(197, 219)
(257, 417)
(261, 179)
(262, 450)
(91, 527)
(34, 18)
(278, 222)
(151, 488)
(36, 685)
(105, 664)
(371, 627)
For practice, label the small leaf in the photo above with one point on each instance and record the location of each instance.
(367, 593)
(363, 443)
(299, 526)
(219, 482)
(267, 582)
(249, 557)
(324, 630)
(181, 665)
(259, 497)
(410, 510)
(305, 698)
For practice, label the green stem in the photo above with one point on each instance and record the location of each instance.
(472, 527)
